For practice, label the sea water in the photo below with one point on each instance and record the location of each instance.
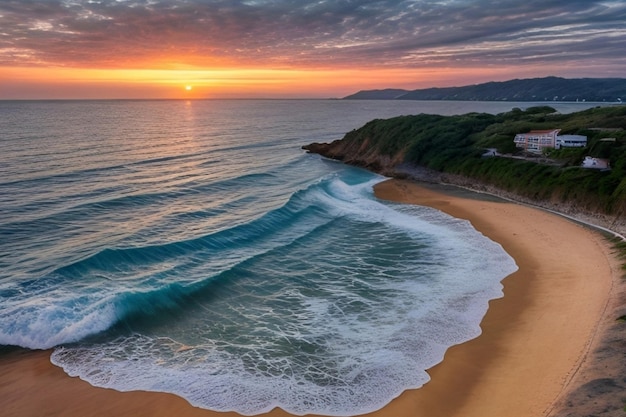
(192, 247)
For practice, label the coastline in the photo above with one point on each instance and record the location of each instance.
(534, 342)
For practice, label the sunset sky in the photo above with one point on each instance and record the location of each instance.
(295, 48)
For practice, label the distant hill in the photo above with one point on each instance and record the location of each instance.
(387, 94)
(534, 89)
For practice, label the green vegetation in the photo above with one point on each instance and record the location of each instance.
(620, 249)
(455, 144)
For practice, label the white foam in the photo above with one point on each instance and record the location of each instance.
(223, 384)
(42, 325)
(360, 328)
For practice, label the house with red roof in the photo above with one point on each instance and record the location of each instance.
(537, 140)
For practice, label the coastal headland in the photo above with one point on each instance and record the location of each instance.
(478, 151)
(551, 334)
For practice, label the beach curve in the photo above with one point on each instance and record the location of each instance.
(530, 350)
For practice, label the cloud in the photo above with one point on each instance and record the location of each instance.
(294, 33)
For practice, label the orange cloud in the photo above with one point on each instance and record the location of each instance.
(281, 48)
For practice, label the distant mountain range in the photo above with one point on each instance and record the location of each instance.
(534, 89)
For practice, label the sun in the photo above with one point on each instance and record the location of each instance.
(188, 87)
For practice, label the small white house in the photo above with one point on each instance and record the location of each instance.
(570, 141)
(597, 163)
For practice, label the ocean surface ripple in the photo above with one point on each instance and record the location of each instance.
(193, 248)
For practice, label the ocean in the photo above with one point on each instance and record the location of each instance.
(192, 247)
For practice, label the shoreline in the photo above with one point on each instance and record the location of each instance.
(536, 342)
(528, 326)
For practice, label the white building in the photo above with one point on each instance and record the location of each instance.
(570, 141)
(538, 140)
(597, 163)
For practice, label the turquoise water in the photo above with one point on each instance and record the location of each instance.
(194, 248)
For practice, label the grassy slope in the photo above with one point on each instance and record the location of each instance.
(454, 144)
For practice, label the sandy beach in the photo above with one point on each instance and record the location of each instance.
(536, 345)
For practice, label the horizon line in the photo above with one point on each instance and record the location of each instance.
(295, 99)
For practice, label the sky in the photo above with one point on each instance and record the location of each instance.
(75, 49)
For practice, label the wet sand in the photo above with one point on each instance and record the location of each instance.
(534, 340)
